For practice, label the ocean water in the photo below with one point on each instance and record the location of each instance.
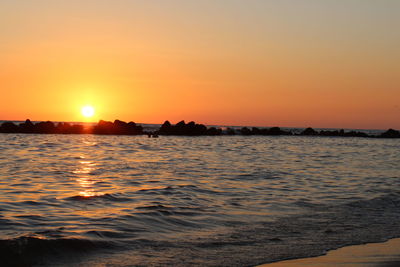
(89, 200)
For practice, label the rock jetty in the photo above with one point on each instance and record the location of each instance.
(182, 128)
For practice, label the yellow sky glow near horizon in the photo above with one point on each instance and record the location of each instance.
(265, 63)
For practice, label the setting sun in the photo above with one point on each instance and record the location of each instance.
(87, 111)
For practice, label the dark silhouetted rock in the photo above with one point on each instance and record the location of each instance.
(214, 131)
(103, 127)
(200, 129)
(63, 128)
(277, 131)
(166, 124)
(342, 133)
(255, 131)
(309, 131)
(264, 131)
(45, 127)
(355, 134)
(79, 129)
(246, 131)
(166, 128)
(9, 127)
(390, 134)
(230, 131)
(180, 124)
(181, 128)
(66, 128)
(330, 133)
(27, 127)
(117, 127)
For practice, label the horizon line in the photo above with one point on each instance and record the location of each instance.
(220, 125)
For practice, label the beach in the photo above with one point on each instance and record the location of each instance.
(386, 254)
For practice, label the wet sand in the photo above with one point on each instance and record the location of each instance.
(385, 254)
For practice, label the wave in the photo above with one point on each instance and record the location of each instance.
(165, 210)
(320, 227)
(179, 189)
(107, 197)
(31, 250)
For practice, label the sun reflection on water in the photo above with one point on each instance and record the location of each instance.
(86, 182)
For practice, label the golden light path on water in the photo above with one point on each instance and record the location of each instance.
(85, 180)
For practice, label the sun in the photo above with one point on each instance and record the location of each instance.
(87, 111)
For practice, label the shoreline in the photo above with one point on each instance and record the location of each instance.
(382, 254)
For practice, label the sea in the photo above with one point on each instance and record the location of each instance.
(93, 200)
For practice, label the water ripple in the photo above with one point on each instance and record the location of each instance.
(212, 195)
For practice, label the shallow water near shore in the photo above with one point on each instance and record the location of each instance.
(385, 254)
(210, 201)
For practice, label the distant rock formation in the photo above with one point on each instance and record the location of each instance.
(309, 131)
(264, 131)
(245, 131)
(45, 127)
(48, 127)
(355, 134)
(189, 129)
(181, 128)
(66, 128)
(230, 131)
(390, 134)
(9, 127)
(332, 133)
(27, 127)
(118, 128)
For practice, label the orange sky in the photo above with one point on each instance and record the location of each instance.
(266, 63)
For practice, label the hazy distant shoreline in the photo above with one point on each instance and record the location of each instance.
(180, 129)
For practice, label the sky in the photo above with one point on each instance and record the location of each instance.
(299, 63)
